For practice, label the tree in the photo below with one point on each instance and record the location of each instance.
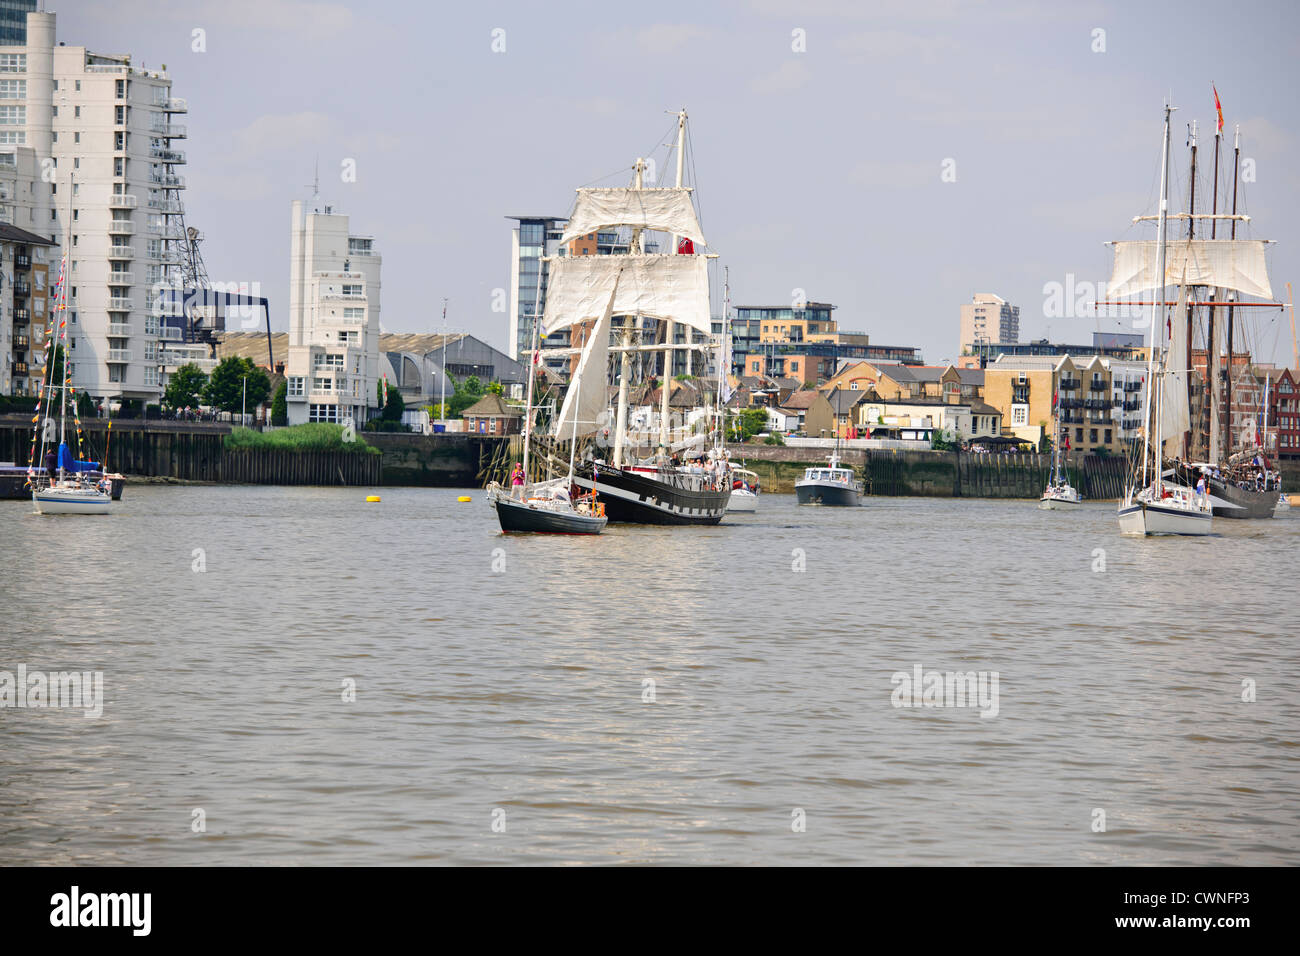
(941, 441)
(225, 388)
(752, 421)
(465, 394)
(185, 387)
(496, 388)
(280, 405)
(394, 407)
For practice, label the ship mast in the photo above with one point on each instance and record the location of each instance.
(625, 363)
(1156, 310)
(1191, 234)
(669, 325)
(1236, 159)
(1211, 340)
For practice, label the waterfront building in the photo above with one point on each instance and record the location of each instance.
(534, 238)
(1284, 413)
(107, 127)
(24, 309)
(803, 343)
(834, 414)
(492, 415)
(1100, 398)
(13, 21)
(919, 418)
(988, 319)
(332, 360)
(1109, 345)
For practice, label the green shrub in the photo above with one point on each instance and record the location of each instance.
(314, 436)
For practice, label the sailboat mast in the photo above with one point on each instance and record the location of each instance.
(1156, 310)
(532, 357)
(625, 362)
(670, 327)
(1211, 340)
(1236, 159)
(1191, 234)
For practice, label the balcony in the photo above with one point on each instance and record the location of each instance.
(169, 156)
(20, 343)
(121, 278)
(21, 316)
(20, 368)
(1069, 384)
(122, 227)
(120, 303)
(122, 252)
(167, 182)
(22, 287)
(122, 201)
(119, 355)
(175, 105)
(1132, 386)
(22, 262)
(168, 130)
(119, 329)
(168, 207)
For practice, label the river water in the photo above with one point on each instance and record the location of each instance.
(503, 714)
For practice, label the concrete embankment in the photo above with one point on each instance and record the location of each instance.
(941, 474)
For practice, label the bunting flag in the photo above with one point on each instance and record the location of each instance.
(1218, 108)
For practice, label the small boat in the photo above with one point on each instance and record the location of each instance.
(744, 492)
(72, 497)
(1282, 504)
(829, 486)
(1059, 495)
(1165, 509)
(547, 509)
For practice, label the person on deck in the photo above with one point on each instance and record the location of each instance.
(51, 465)
(1200, 488)
(517, 480)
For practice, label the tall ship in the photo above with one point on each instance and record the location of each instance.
(1156, 501)
(633, 298)
(1222, 278)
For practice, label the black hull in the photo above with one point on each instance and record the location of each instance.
(634, 498)
(517, 517)
(1229, 501)
(827, 495)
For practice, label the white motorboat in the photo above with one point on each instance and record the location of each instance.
(744, 492)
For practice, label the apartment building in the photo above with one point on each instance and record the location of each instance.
(104, 135)
(988, 319)
(332, 365)
(24, 309)
(1100, 399)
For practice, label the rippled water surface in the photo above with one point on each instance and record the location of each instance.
(503, 678)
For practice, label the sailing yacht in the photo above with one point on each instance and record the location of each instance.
(1153, 505)
(744, 492)
(69, 486)
(1059, 495)
(672, 288)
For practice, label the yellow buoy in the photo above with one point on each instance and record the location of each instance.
(372, 497)
(464, 498)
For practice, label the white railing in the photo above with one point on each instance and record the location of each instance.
(121, 278)
(859, 443)
(119, 329)
(176, 105)
(119, 355)
(123, 228)
(119, 201)
(122, 252)
(120, 304)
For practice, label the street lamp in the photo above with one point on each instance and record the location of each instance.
(243, 408)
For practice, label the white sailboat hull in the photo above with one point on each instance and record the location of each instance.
(1058, 504)
(743, 502)
(1145, 518)
(72, 501)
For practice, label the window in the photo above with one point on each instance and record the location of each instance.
(13, 115)
(353, 314)
(295, 386)
(1092, 435)
(322, 413)
(15, 63)
(322, 385)
(355, 290)
(15, 90)
(347, 338)
(1078, 434)
(1107, 436)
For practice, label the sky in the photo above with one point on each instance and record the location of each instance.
(892, 157)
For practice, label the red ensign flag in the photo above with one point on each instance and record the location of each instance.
(1218, 108)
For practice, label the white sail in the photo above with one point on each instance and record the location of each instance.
(1175, 418)
(659, 286)
(666, 209)
(1227, 263)
(586, 400)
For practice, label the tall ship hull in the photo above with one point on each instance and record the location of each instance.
(647, 496)
(1232, 502)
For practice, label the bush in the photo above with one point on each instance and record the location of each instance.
(131, 408)
(153, 412)
(314, 436)
(280, 406)
(774, 439)
(394, 407)
(384, 425)
(17, 403)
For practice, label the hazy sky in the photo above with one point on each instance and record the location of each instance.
(818, 170)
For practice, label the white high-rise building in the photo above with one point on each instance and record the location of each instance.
(103, 134)
(333, 362)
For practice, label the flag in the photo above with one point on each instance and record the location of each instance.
(1218, 108)
(685, 247)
